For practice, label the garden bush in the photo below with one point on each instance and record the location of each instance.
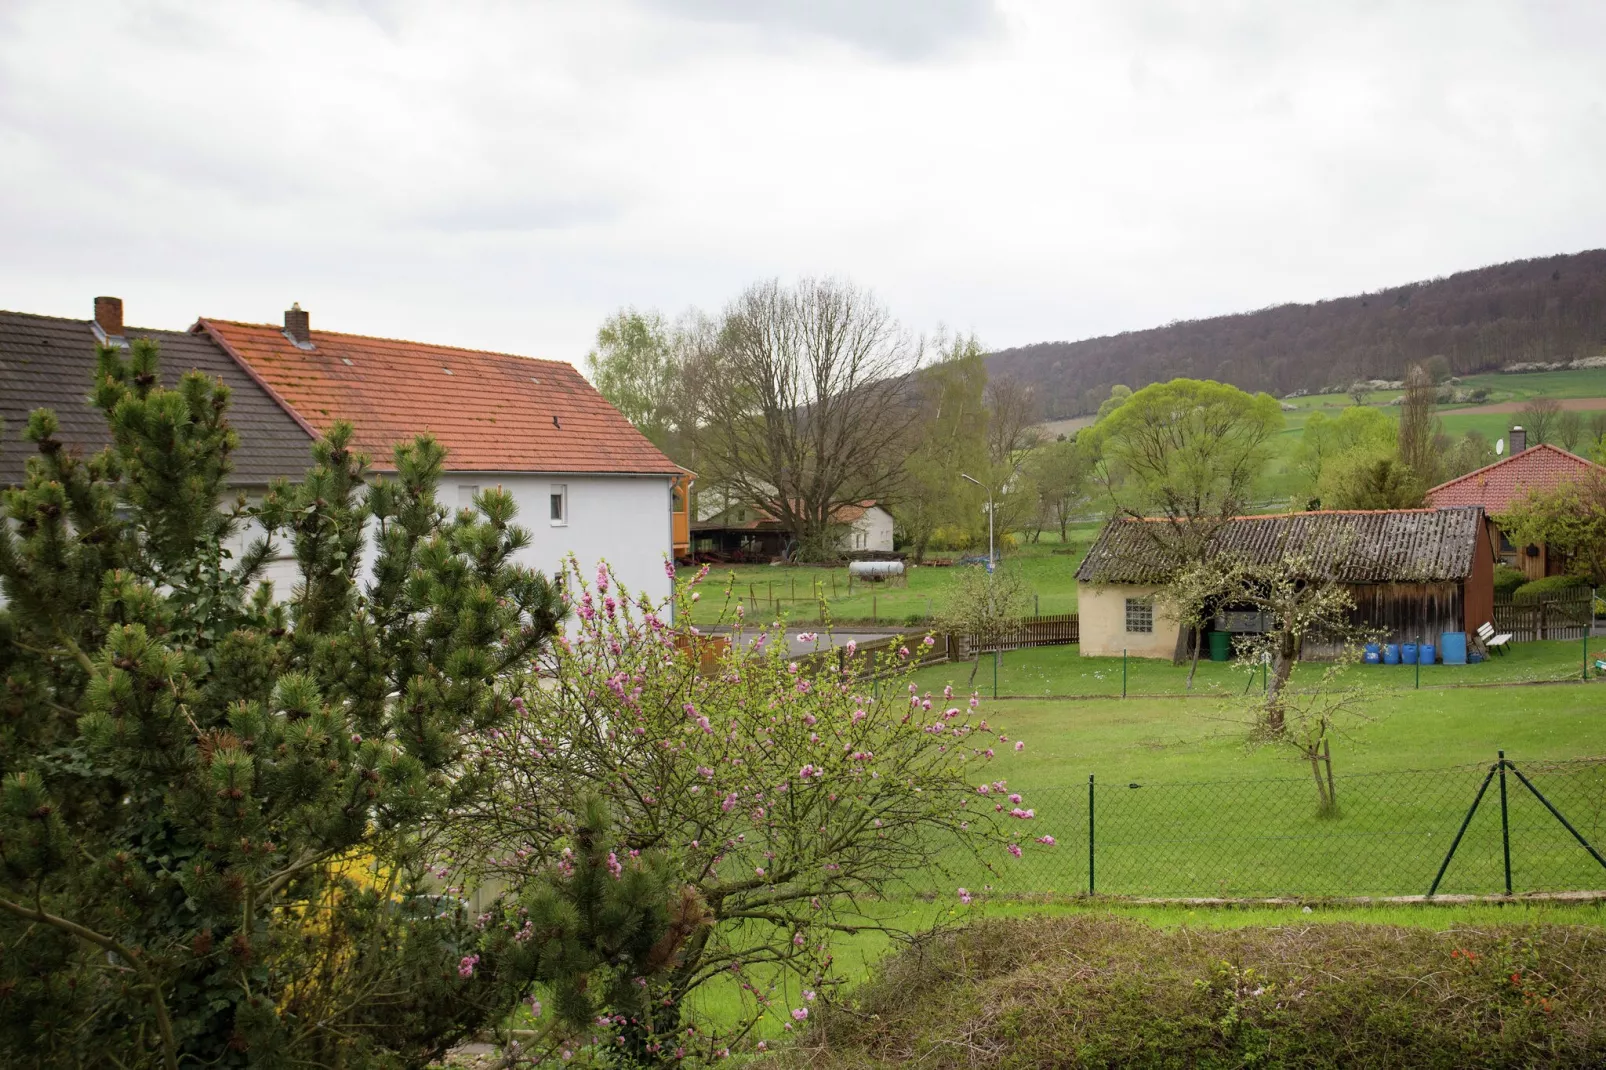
(1507, 580)
(1093, 991)
(1549, 587)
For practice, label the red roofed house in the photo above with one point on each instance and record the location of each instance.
(1499, 486)
(585, 480)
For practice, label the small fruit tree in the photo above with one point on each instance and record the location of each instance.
(781, 788)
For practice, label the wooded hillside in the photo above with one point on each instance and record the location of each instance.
(1548, 309)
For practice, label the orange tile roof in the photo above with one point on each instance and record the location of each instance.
(494, 412)
(1497, 486)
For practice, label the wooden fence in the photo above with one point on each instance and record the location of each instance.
(1055, 629)
(1565, 616)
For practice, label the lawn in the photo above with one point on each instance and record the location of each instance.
(1041, 672)
(795, 593)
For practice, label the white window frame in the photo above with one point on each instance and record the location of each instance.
(1139, 608)
(559, 496)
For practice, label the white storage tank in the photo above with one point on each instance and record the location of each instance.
(875, 571)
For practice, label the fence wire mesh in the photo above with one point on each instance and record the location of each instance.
(1261, 838)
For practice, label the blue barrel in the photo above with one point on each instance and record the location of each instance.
(1391, 653)
(1408, 653)
(1454, 645)
(1372, 654)
(1424, 654)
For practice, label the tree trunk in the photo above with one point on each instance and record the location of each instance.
(1282, 669)
(1193, 666)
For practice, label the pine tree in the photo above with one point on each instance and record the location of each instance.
(218, 813)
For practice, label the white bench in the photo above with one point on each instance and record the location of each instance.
(1491, 641)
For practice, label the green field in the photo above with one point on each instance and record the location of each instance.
(1061, 671)
(795, 593)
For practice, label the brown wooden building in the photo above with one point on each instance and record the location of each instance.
(1499, 486)
(1411, 573)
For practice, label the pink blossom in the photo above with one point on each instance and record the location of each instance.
(1019, 745)
(928, 641)
(799, 1014)
(808, 771)
(1015, 798)
(615, 867)
(807, 637)
(965, 896)
(859, 715)
(851, 646)
(1049, 840)
(903, 651)
(669, 569)
(1014, 849)
(763, 1046)
(808, 995)
(792, 668)
(697, 596)
(797, 939)
(975, 700)
(728, 802)
(983, 790)
(465, 968)
(759, 870)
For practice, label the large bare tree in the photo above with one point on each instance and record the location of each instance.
(806, 403)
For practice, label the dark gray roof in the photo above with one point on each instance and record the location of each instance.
(49, 363)
(1385, 546)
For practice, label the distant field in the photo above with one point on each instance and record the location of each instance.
(795, 593)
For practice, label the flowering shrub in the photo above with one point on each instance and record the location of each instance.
(778, 787)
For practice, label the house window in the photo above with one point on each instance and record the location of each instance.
(465, 495)
(1140, 614)
(560, 505)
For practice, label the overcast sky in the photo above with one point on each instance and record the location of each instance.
(504, 174)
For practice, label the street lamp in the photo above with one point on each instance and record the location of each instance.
(989, 491)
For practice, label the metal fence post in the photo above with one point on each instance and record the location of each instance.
(1418, 663)
(1090, 838)
(995, 672)
(1505, 822)
(1462, 831)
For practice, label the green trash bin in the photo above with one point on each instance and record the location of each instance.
(1220, 646)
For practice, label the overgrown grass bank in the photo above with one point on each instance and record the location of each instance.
(1105, 991)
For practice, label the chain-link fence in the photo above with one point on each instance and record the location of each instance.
(1402, 833)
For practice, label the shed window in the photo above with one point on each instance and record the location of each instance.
(1140, 614)
(560, 504)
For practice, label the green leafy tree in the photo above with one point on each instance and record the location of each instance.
(1060, 473)
(1570, 519)
(1363, 479)
(1117, 398)
(218, 813)
(1327, 438)
(641, 364)
(1188, 452)
(950, 438)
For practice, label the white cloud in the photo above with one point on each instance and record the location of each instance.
(504, 174)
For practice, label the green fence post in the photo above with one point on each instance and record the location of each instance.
(995, 672)
(1090, 839)
(1589, 626)
(1463, 830)
(1123, 672)
(1505, 822)
(1419, 663)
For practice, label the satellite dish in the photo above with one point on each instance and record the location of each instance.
(1499, 446)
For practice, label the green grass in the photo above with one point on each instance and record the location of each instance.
(795, 592)
(1040, 672)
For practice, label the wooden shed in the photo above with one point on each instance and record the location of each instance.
(1411, 573)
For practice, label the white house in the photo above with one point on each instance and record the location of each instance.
(584, 479)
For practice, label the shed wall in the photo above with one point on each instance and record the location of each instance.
(1102, 612)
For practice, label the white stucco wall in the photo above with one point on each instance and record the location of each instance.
(1102, 620)
(872, 531)
(621, 519)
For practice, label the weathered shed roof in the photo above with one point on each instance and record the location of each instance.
(1384, 546)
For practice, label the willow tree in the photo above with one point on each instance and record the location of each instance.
(1187, 453)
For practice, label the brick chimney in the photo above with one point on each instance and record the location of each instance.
(109, 316)
(297, 325)
(1519, 440)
